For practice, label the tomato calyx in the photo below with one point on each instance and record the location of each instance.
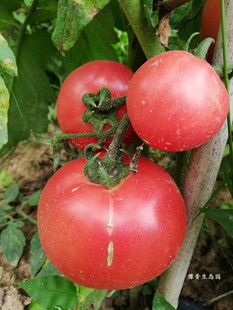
(110, 169)
(101, 109)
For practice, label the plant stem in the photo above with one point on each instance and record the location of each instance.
(66, 136)
(134, 297)
(25, 216)
(200, 180)
(181, 168)
(117, 140)
(145, 33)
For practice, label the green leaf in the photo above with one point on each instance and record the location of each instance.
(95, 42)
(4, 106)
(12, 243)
(223, 217)
(151, 16)
(11, 193)
(46, 10)
(51, 291)
(203, 47)
(34, 198)
(72, 17)
(35, 306)
(32, 91)
(184, 21)
(159, 303)
(5, 207)
(48, 270)
(90, 297)
(5, 178)
(7, 58)
(6, 16)
(37, 255)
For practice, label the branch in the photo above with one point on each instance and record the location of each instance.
(200, 180)
(145, 33)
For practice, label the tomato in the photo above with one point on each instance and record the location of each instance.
(210, 21)
(176, 101)
(111, 238)
(89, 78)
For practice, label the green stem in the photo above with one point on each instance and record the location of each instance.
(225, 67)
(134, 297)
(181, 168)
(145, 33)
(218, 189)
(117, 140)
(66, 136)
(25, 216)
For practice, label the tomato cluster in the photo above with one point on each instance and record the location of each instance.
(116, 237)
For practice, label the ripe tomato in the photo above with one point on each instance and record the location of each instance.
(89, 78)
(176, 101)
(210, 21)
(111, 238)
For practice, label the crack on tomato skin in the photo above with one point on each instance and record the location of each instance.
(110, 253)
(110, 215)
(76, 188)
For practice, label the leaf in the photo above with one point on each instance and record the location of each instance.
(12, 243)
(51, 291)
(11, 193)
(46, 10)
(7, 58)
(203, 47)
(95, 42)
(48, 270)
(5, 178)
(35, 306)
(151, 16)
(34, 198)
(72, 17)
(32, 91)
(6, 16)
(4, 208)
(4, 106)
(184, 21)
(159, 303)
(90, 297)
(37, 255)
(223, 217)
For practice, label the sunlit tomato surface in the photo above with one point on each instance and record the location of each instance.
(111, 238)
(176, 101)
(89, 78)
(210, 21)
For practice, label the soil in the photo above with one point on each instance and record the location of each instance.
(210, 276)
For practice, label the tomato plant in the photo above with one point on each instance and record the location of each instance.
(111, 238)
(176, 101)
(210, 22)
(89, 78)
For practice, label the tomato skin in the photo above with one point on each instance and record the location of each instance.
(176, 101)
(89, 78)
(111, 238)
(210, 21)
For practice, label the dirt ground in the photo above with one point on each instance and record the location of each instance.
(210, 276)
